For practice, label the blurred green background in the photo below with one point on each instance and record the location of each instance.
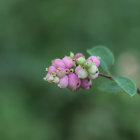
(32, 33)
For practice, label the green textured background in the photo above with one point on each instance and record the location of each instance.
(32, 33)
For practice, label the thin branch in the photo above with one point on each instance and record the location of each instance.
(106, 76)
(111, 78)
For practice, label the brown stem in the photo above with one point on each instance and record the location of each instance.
(106, 76)
(111, 78)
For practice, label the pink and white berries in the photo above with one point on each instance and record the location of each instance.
(73, 71)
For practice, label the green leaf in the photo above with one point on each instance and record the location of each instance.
(110, 87)
(107, 58)
(126, 84)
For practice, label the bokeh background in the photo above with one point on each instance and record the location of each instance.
(32, 33)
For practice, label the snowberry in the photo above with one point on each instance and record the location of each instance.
(63, 83)
(74, 82)
(68, 62)
(95, 60)
(93, 69)
(94, 76)
(52, 69)
(86, 83)
(81, 72)
(58, 63)
(61, 72)
(80, 60)
(78, 55)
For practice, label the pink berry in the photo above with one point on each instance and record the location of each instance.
(52, 69)
(81, 72)
(78, 55)
(68, 62)
(61, 72)
(94, 59)
(63, 82)
(74, 82)
(86, 83)
(48, 75)
(58, 63)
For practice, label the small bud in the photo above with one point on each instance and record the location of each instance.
(88, 64)
(95, 59)
(86, 83)
(58, 63)
(61, 72)
(72, 55)
(74, 82)
(63, 82)
(81, 72)
(45, 78)
(68, 62)
(81, 60)
(93, 69)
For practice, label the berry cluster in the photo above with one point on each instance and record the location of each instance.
(73, 71)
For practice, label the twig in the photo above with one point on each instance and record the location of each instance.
(111, 78)
(106, 76)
